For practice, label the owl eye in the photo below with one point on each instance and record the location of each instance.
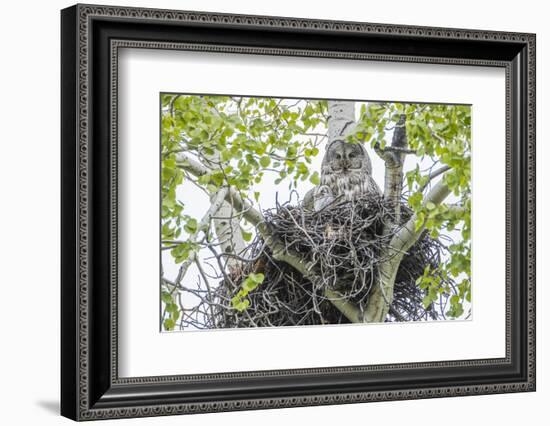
(338, 157)
(352, 155)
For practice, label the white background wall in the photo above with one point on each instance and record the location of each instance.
(29, 225)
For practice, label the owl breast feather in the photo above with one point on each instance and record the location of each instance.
(350, 185)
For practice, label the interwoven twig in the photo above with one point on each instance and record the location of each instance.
(344, 243)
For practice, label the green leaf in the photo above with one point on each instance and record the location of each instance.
(427, 301)
(172, 307)
(257, 278)
(217, 178)
(248, 285)
(247, 236)
(204, 179)
(242, 305)
(415, 200)
(314, 178)
(265, 161)
(166, 298)
(419, 222)
(169, 324)
(191, 226)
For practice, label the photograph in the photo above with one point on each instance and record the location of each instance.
(284, 211)
(264, 209)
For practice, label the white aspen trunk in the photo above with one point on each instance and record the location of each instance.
(227, 225)
(381, 296)
(229, 234)
(341, 119)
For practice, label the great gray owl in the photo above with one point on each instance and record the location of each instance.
(345, 175)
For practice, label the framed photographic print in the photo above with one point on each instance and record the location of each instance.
(263, 212)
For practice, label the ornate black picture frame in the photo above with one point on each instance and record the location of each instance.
(91, 387)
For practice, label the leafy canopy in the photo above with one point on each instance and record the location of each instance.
(241, 139)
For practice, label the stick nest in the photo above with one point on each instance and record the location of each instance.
(342, 244)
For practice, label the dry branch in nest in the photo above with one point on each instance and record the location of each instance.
(344, 244)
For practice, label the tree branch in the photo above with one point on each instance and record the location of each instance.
(245, 208)
(458, 209)
(381, 298)
(394, 157)
(241, 206)
(386, 152)
(217, 201)
(348, 309)
(399, 149)
(408, 234)
(433, 175)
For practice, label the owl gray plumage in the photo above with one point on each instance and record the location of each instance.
(345, 175)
